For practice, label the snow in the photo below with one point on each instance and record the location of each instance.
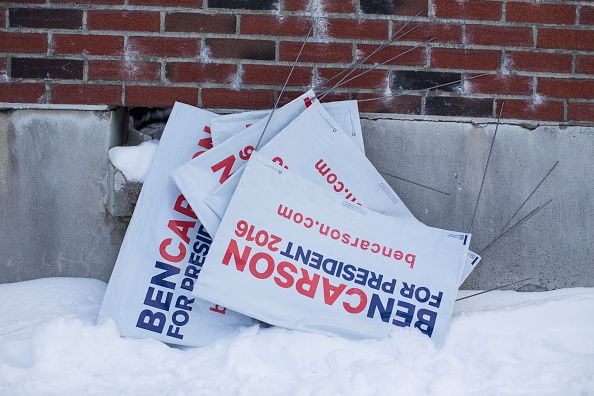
(501, 343)
(134, 161)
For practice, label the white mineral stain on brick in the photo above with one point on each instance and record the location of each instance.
(317, 10)
(205, 54)
(238, 78)
(537, 99)
(3, 75)
(506, 67)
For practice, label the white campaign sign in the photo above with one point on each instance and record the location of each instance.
(215, 166)
(288, 254)
(345, 113)
(333, 161)
(149, 293)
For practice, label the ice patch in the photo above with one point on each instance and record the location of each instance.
(134, 161)
(500, 343)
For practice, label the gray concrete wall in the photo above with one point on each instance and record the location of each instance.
(53, 194)
(61, 216)
(554, 247)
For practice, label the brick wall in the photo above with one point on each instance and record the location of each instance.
(235, 54)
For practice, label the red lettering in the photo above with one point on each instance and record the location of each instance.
(182, 206)
(181, 228)
(311, 283)
(331, 293)
(233, 251)
(362, 301)
(226, 165)
(174, 259)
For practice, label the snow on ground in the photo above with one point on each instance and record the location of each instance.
(134, 161)
(501, 343)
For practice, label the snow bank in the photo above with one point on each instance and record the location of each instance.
(499, 343)
(134, 161)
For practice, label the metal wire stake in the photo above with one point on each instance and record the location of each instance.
(529, 196)
(351, 70)
(375, 66)
(424, 89)
(486, 167)
(493, 289)
(285, 85)
(512, 228)
(383, 45)
(415, 183)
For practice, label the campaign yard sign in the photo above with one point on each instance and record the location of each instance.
(345, 113)
(288, 254)
(149, 293)
(333, 162)
(202, 175)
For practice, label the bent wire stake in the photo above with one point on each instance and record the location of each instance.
(529, 196)
(375, 66)
(359, 63)
(493, 289)
(286, 82)
(478, 198)
(383, 45)
(512, 228)
(424, 89)
(415, 183)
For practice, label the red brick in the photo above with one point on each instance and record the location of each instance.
(45, 18)
(395, 104)
(3, 66)
(163, 46)
(23, 42)
(399, 55)
(316, 52)
(440, 33)
(124, 71)
(358, 29)
(22, 92)
(584, 64)
(87, 94)
(540, 13)
(200, 72)
(582, 111)
(199, 23)
(540, 61)
(447, 58)
(290, 95)
(337, 6)
(216, 98)
(168, 3)
(87, 1)
(276, 75)
(531, 110)
(370, 79)
(566, 38)
(2, 18)
(124, 21)
(468, 9)
(160, 96)
(497, 84)
(499, 35)
(91, 44)
(587, 15)
(242, 49)
(275, 26)
(566, 88)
